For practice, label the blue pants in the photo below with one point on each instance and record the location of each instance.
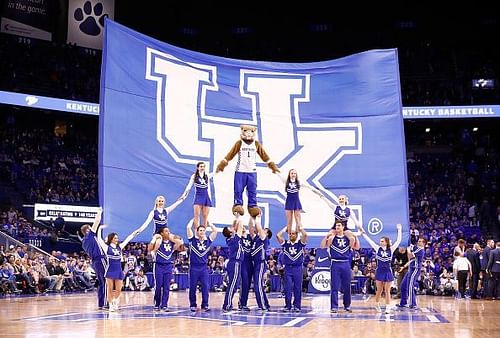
(340, 274)
(234, 276)
(248, 180)
(293, 282)
(408, 296)
(162, 274)
(100, 265)
(246, 280)
(198, 273)
(258, 284)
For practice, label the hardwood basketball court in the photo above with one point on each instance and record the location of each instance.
(76, 315)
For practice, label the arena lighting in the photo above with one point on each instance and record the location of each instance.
(474, 129)
(89, 108)
(427, 130)
(483, 83)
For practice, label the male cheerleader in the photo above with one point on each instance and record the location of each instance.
(416, 257)
(293, 259)
(258, 253)
(233, 236)
(97, 255)
(199, 247)
(340, 250)
(162, 247)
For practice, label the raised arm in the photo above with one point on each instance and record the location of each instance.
(303, 237)
(327, 201)
(374, 245)
(260, 231)
(188, 187)
(99, 239)
(279, 236)
(313, 189)
(281, 177)
(128, 239)
(239, 228)
(174, 205)
(354, 219)
(97, 220)
(251, 226)
(395, 245)
(213, 233)
(146, 223)
(189, 229)
(410, 253)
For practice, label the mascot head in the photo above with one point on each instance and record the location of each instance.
(248, 133)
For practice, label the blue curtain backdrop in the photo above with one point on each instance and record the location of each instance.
(164, 108)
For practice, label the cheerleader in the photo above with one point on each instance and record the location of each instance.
(293, 207)
(342, 212)
(114, 273)
(162, 247)
(159, 215)
(202, 202)
(383, 273)
(340, 250)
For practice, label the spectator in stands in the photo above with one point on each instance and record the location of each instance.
(141, 282)
(370, 273)
(52, 268)
(8, 279)
(356, 272)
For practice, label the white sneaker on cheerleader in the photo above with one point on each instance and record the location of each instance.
(387, 310)
(378, 308)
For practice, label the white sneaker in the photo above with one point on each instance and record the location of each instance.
(377, 307)
(387, 309)
(116, 303)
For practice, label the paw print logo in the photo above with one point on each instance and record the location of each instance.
(91, 19)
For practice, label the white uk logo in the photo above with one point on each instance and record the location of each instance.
(190, 133)
(201, 246)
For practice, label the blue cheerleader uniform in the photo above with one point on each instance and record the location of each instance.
(292, 196)
(201, 196)
(114, 255)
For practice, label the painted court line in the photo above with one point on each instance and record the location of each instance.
(433, 319)
(294, 321)
(53, 316)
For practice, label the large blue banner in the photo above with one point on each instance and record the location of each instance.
(164, 108)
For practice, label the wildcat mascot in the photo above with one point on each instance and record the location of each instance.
(247, 147)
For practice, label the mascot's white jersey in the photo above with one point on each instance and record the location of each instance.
(246, 158)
